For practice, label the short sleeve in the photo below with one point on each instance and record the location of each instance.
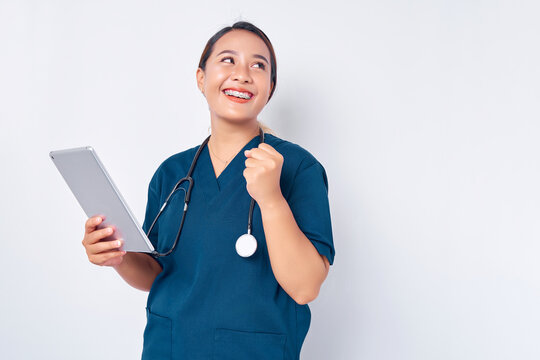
(152, 209)
(308, 200)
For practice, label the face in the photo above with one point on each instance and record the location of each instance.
(240, 61)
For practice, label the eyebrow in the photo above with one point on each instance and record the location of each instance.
(236, 53)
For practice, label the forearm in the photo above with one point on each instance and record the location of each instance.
(138, 270)
(296, 263)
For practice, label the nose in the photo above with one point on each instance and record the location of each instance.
(241, 73)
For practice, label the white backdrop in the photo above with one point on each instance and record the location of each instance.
(424, 114)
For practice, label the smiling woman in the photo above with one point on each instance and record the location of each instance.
(222, 306)
(242, 25)
(205, 301)
(234, 68)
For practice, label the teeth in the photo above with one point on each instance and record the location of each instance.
(237, 94)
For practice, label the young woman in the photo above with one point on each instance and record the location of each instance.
(213, 296)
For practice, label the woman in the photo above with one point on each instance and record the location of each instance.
(205, 300)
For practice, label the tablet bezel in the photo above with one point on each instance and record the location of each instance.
(77, 166)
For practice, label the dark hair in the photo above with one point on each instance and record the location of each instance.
(242, 25)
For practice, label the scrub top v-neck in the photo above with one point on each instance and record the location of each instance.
(208, 302)
(232, 172)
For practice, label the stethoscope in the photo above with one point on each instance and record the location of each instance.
(246, 245)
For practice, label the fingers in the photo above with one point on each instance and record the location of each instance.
(99, 235)
(107, 258)
(250, 162)
(103, 246)
(92, 223)
(101, 252)
(256, 153)
(264, 151)
(269, 163)
(269, 149)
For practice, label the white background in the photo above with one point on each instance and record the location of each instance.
(424, 114)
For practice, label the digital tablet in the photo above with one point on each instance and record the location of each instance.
(96, 193)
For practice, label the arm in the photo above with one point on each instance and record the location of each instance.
(296, 263)
(138, 270)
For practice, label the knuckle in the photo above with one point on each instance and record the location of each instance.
(90, 239)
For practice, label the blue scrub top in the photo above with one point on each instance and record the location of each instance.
(209, 302)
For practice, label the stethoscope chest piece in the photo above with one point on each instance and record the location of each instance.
(246, 245)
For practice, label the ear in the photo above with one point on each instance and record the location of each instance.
(200, 79)
(271, 88)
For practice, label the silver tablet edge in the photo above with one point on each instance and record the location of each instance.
(139, 227)
(96, 157)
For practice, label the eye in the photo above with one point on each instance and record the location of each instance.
(228, 57)
(261, 65)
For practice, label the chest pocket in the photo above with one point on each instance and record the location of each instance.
(247, 345)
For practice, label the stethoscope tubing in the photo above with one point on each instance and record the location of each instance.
(187, 198)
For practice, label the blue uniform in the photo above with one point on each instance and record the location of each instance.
(208, 302)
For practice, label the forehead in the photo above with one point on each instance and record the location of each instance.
(242, 41)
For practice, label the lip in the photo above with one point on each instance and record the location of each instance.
(238, 89)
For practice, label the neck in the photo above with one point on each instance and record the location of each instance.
(227, 138)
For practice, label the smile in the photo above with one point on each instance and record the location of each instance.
(238, 95)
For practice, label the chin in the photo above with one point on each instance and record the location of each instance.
(239, 120)
(237, 117)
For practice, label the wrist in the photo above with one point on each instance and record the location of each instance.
(272, 203)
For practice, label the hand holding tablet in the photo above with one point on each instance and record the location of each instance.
(98, 196)
(99, 250)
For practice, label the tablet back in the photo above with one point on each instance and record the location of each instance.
(96, 193)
